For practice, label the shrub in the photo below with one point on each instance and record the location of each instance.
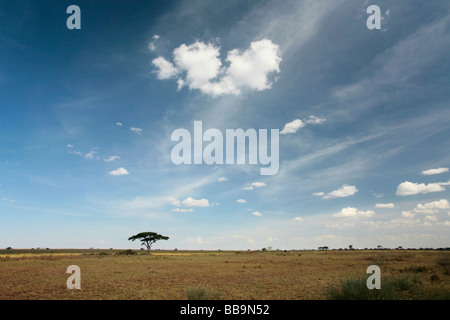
(202, 293)
(391, 289)
(127, 252)
(444, 262)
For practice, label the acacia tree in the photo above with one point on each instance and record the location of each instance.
(148, 238)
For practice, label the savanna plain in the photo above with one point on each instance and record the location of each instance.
(224, 275)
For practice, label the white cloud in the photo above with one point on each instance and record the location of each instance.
(78, 153)
(292, 127)
(90, 155)
(112, 158)
(432, 207)
(119, 172)
(255, 185)
(119, 124)
(200, 61)
(410, 188)
(70, 146)
(319, 194)
(431, 218)
(300, 219)
(342, 192)
(182, 210)
(173, 201)
(136, 130)
(166, 69)
(250, 69)
(315, 120)
(392, 224)
(407, 214)
(258, 184)
(434, 171)
(384, 205)
(256, 213)
(152, 44)
(191, 202)
(221, 179)
(352, 213)
(199, 66)
(241, 201)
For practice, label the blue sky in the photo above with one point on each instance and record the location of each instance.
(86, 118)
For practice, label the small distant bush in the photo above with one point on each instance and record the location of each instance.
(391, 289)
(202, 293)
(127, 252)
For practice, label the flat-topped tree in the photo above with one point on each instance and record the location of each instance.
(148, 238)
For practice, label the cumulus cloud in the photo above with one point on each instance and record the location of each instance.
(410, 188)
(384, 205)
(119, 124)
(294, 126)
(353, 213)
(256, 213)
(299, 219)
(432, 207)
(342, 192)
(258, 184)
(241, 201)
(434, 171)
(221, 179)
(255, 185)
(187, 204)
(198, 66)
(191, 202)
(407, 214)
(70, 146)
(119, 172)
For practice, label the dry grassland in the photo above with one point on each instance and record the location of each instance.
(230, 275)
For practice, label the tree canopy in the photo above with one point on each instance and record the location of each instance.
(148, 238)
